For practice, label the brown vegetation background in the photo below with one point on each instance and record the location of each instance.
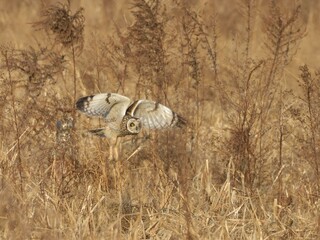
(243, 73)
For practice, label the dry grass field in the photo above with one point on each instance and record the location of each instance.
(243, 73)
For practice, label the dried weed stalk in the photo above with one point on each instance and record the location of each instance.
(283, 33)
(251, 92)
(39, 66)
(146, 37)
(7, 58)
(308, 117)
(65, 27)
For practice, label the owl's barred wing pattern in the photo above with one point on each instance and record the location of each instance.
(154, 115)
(110, 106)
(98, 132)
(113, 107)
(125, 118)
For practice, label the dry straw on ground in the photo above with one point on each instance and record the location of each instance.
(247, 166)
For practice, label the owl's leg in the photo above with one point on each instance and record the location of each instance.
(116, 149)
(110, 158)
(112, 152)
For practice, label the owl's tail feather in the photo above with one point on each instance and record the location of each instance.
(98, 132)
(182, 122)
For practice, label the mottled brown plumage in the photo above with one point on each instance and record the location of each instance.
(125, 117)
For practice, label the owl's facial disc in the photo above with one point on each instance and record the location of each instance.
(134, 125)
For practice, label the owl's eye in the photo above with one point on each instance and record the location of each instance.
(132, 124)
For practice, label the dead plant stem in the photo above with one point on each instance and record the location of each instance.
(15, 119)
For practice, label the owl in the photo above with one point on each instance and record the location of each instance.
(126, 117)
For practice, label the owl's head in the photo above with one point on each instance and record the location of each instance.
(134, 125)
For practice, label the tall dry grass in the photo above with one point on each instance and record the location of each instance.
(245, 167)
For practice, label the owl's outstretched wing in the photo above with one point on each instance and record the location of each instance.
(110, 106)
(154, 115)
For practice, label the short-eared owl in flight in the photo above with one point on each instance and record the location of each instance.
(126, 117)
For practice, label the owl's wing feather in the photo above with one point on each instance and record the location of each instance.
(111, 106)
(98, 132)
(154, 115)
